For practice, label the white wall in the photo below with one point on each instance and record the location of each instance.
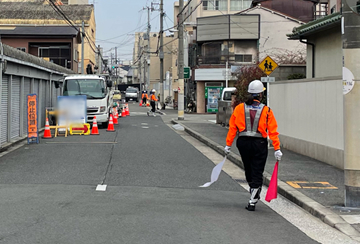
(328, 53)
(273, 30)
(310, 117)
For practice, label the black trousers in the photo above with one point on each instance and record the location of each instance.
(144, 100)
(152, 103)
(253, 151)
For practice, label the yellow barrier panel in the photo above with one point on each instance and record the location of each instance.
(80, 129)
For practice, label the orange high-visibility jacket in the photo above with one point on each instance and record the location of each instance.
(267, 125)
(153, 97)
(144, 95)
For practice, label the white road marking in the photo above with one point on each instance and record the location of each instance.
(145, 127)
(144, 124)
(212, 121)
(101, 187)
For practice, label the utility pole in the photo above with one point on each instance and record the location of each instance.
(116, 68)
(181, 63)
(162, 94)
(139, 61)
(148, 50)
(82, 46)
(351, 80)
(99, 61)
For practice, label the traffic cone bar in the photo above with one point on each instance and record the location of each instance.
(47, 132)
(95, 130)
(111, 124)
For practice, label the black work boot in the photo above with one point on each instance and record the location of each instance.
(250, 207)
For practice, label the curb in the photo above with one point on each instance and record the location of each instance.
(18, 141)
(308, 204)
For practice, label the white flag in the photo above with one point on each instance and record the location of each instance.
(215, 173)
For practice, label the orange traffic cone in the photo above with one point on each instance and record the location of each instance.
(47, 132)
(111, 124)
(127, 110)
(123, 113)
(140, 104)
(116, 118)
(94, 130)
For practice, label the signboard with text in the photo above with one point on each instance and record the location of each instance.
(186, 73)
(32, 119)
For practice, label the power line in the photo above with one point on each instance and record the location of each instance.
(184, 7)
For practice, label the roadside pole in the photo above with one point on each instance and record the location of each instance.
(181, 63)
(82, 46)
(148, 49)
(99, 61)
(350, 27)
(116, 68)
(161, 56)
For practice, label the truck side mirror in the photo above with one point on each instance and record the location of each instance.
(57, 84)
(109, 83)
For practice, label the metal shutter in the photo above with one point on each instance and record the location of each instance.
(15, 107)
(43, 102)
(27, 84)
(54, 94)
(36, 91)
(4, 109)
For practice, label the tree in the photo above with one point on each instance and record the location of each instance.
(245, 75)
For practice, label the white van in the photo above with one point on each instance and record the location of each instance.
(226, 93)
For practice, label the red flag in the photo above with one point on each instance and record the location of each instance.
(272, 190)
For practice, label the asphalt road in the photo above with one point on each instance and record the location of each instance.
(152, 175)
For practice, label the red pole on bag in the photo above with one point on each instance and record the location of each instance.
(272, 190)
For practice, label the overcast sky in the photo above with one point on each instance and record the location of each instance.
(118, 20)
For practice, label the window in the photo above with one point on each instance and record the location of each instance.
(243, 58)
(238, 5)
(211, 53)
(59, 55)
(321, 10)
(21, 49)
(215, 5)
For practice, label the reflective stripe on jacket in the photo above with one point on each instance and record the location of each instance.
(266, 124)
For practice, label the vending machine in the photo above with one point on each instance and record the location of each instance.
(212, 96)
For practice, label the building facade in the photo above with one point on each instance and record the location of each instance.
(38, 13)
(54, 44)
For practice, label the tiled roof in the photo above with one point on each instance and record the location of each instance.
(315, 25)
(38, 10)
(40, 31)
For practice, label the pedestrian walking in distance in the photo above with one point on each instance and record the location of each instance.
(253, 121)
(152, 102)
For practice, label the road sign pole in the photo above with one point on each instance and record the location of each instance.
(267, 94)
(226, 74)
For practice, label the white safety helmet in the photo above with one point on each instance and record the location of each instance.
(153, 90)
(256, 87)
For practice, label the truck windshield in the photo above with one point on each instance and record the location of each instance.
(92, 88)
(131, 90)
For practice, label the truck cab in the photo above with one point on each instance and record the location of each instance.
(98, 95)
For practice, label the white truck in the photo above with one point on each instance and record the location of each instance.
(98, 93)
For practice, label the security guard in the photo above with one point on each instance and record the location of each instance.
(253, 122)
(144, 97)
(152, 102)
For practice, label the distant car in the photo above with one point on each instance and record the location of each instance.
(117, 95)
(132, 93)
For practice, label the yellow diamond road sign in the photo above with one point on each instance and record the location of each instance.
(268, 65)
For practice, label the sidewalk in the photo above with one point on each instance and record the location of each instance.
(313, 185)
